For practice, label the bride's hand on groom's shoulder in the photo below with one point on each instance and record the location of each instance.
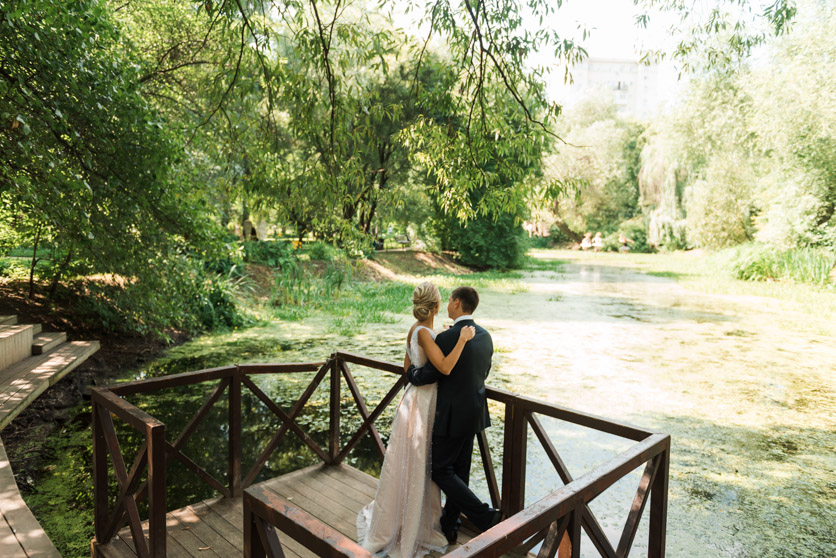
(467, 333)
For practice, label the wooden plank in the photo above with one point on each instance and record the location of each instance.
(324, 508)
(384, 366)
(116, 549)
(173, 380)
(320, 538)
(33, 375)
(205, 532)
(9, 546)
(595, 422)
(18, 518)
(231, 512)
(659, 504)
(13, 342)
(187, 538)
(280, 368)
(361, 406)
(347, 490)
(8, 320)
(46, 341)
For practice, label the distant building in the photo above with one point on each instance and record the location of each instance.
(639, 90)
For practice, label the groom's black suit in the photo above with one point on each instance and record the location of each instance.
(461, 412)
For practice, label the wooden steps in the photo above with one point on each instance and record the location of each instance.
(30, 362)
(15, 344)
(21, 536)
(46, 341)
(22, 382)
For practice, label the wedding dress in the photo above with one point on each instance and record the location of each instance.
(403, 521)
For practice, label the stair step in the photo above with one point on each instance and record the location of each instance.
(46, 341)
(8, 320)
(15, 344)
(37, 328)
(22, 382)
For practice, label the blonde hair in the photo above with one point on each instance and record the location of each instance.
(425, 301)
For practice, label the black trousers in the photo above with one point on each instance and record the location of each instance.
(451, 472)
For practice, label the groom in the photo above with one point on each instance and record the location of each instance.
(461, 412)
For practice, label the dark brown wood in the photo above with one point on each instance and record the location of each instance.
(554, 536)
(253, 548)
(516, 529)
(297, 408)
(513, 460)
(200, 415)
(361, 406)
(588, 521)
(487, 463)
(370, 362)
(574, 531)
(334, 419)
(636, 509)
(280, 368)
(323, 540)
(198, 470)
(156, 490)
(126, 411)
(659, 504)
(595, 422)
(291, 424)
(369, 421)
(269, 538)
(100, 475)
(128, 491)
(126, 501)
(235, 433)
(173, 380)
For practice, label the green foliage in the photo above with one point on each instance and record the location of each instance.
(275, 253)
(324, 252)
(602, 159)
(483, 241)
(760, 262)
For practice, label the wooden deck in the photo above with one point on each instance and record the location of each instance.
(20, 533)
(214, 528)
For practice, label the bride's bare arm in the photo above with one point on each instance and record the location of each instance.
(444, 364)
(406, 362)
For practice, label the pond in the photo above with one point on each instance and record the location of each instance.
(747, 397)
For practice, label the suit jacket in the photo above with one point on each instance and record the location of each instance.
(461, 408)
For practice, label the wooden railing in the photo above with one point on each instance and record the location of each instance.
(564, 511)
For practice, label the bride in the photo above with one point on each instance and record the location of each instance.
(403, 521)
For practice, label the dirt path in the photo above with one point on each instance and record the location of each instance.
(748, 400)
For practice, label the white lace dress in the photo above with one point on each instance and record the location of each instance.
(403, 521)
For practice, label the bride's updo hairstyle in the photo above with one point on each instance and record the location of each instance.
(425, 301)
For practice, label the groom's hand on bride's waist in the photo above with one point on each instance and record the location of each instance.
(424, 375)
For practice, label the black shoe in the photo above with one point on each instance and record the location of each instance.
(451, 534)
(496, 518)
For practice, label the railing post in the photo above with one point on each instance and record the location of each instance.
(235, 433)
(513, 460)
(156, 490)
(574, 531)
(100, 484)
(659, 505)
(334, 424)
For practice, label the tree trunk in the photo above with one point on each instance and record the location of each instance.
(32, 266)
(62, 269)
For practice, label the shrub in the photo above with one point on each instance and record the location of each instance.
(483, 241)
(325, 252)
(761, 262)
(275, 253)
